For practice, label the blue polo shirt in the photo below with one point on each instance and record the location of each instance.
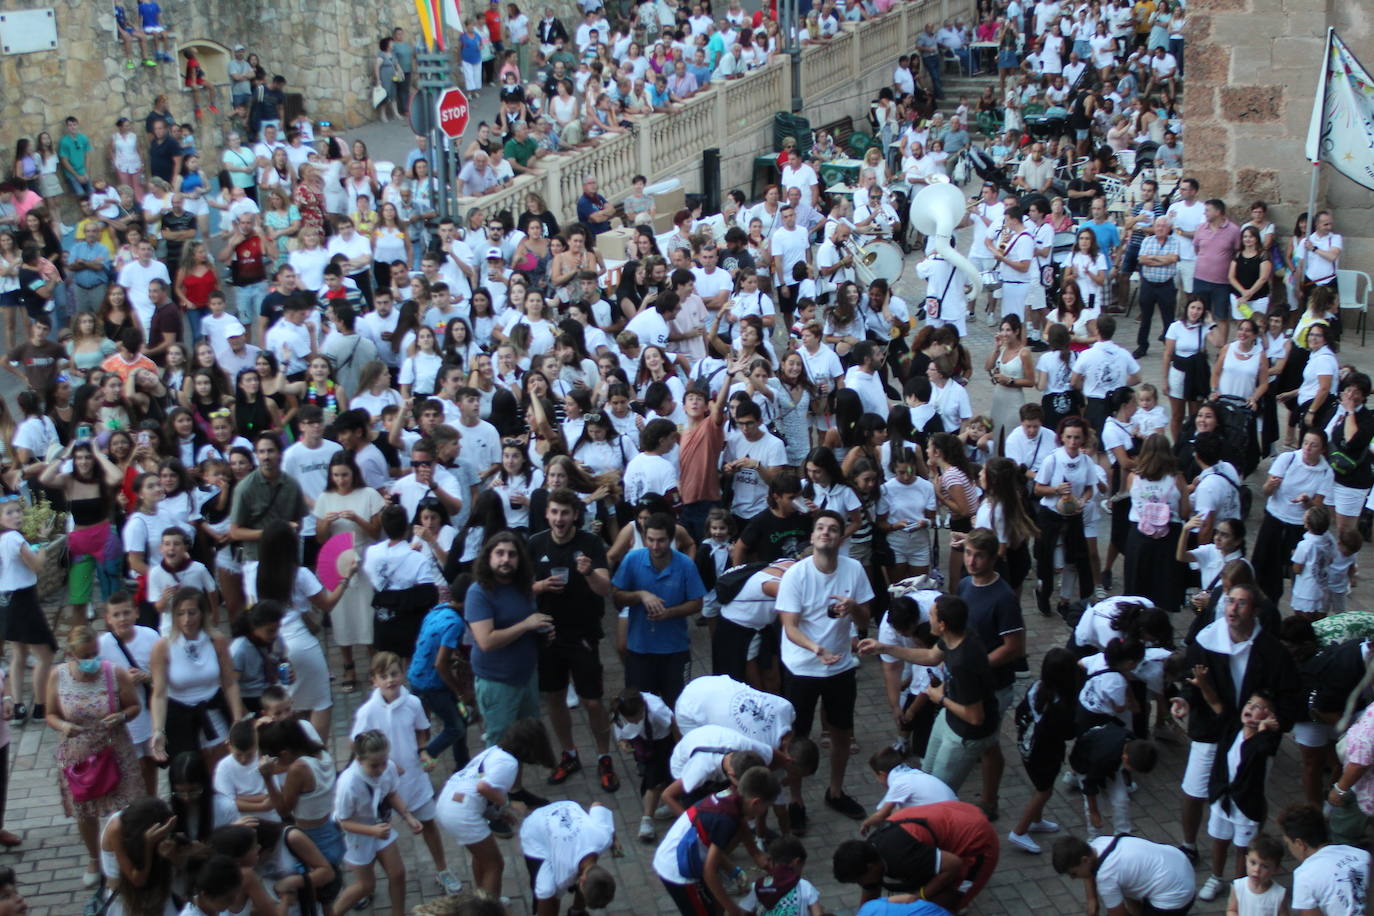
(675, 583)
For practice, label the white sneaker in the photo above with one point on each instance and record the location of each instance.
(1043, 826)
(1100, 594)
(663, 813)
(450, 882)
(1211, 888)
(573, 700)
(1024, 842)
(647, 834)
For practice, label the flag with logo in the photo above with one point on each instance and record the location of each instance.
(1341, 131)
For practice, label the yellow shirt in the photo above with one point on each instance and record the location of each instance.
(364, 222)
(1144, 9)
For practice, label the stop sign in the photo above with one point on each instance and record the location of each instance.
(453, 112)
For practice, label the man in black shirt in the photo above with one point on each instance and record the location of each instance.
(995, 615)
(274, 303)
(178, 228)
(1083, 190)
(574, 598)
(967, 724)
(778, 533)
(164, 153)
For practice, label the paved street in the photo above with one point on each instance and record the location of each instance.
(50, 861)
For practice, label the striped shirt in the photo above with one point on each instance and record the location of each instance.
(1153, 246)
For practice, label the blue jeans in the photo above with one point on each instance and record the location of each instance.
(931, 63)
(195, 317)
(1217, 296)
(248, 301)
(693, 517)
(440, 702)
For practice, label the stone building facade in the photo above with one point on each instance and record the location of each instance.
(1251, 71)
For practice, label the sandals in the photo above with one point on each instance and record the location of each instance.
(350, 681)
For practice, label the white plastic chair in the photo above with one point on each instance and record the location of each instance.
(1354, 296)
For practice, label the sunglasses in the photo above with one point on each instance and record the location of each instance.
(422, 464)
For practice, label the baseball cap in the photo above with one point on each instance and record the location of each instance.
(495, 254)
(234, 329)
(240, 48)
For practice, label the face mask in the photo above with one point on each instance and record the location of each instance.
(88, 665)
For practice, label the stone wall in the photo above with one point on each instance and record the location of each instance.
(1252, 68)
(324, 48)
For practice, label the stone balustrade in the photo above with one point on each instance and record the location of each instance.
(734, 116)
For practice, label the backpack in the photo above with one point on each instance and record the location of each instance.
(905, 856)
(1154, 519)
(731, 582)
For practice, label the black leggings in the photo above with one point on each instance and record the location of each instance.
(1273, 552)
(1052, 526)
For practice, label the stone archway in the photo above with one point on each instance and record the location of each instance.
(214, 59)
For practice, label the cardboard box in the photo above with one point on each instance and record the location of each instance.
(611, 244)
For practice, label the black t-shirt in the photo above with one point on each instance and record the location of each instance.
(736, 260)
(992, 612)
(160, 156)
(577, 609)
(1096, 755)
(273, 307)
(970, 681)
(1080, 206)
(769, 537)
(30, 281)
(173, 222)
(39, 363)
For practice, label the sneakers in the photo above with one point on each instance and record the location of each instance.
(647, 834)
(40, 711)
(21, 714)
(1024, 842)
(131, 64)
(664, 813)
(1138, 352)
(1106, 578)
(1211, 888)
(1043, 826)
(605, 771)
(149, 62)
(844, 805)
(214, 110)
(1100, 594)
(568, 765)
(574, 700)
(449, 882)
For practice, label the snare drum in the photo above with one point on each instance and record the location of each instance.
(991, 280)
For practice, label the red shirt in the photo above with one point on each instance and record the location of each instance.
(198, 288)
(493, 18)
(698, 449)
(249, 265)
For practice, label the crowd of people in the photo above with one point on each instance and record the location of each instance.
(295, 410)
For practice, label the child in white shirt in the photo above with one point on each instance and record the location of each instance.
(1150, 416)
(715, 550)
(365, 796)
(237, 777)
(1340, 575)
(1312, 561)
(903, 787)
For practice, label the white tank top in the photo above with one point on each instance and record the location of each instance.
(1239, 375)
(192, 669)
(126, 155)
(319, 802)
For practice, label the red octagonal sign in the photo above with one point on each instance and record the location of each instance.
(453, 112)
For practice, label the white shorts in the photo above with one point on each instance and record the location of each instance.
(1261, 306)
(910, 547)
(1198, 773)
(154, 29)
(1176, 382)
(1185, 275)
(1236, 827)
(424, 813)
(1313, 734)
(1349, 500)
(1092, 514)
(1014, 299)
(465, 821)
(1035, 297)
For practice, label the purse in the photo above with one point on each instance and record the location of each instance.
(97, 775)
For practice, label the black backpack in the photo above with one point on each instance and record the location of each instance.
(731, 582)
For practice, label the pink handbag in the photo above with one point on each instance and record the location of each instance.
(97, 775)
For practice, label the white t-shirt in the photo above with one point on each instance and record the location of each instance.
(310, 468)
(869, 387)
(135, 278)
(788, 246)
(1214, 493)
(481, 444)
(1140, 870)
(722, 700)
(1187, 218)
(806, 591)
(1058, 374)
(1060, 468)
(1334, 879)
(141, 648)
(650, 327)
(907, 502)
(233, 779)
(306, 586)
(1104, 366)
(907, 786)
(993, 213)
(750, 489)
(1297, 476)
(561, 835)
(1186, 339)
(1027, 453)
(649, 473)
(823, 366)
(696, 766)
(803, 177)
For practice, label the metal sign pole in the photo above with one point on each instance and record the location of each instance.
(433, 75)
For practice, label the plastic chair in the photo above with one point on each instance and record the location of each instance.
(1353, 296)
(990, 123)
(859, 143)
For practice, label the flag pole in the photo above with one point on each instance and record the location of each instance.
(1313, 148)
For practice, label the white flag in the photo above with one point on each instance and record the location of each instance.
(1341, 131)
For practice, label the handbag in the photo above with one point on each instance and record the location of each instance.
(97, 775)
(378, 96)
(1197, 375)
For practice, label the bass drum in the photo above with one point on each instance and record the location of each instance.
(884, 260)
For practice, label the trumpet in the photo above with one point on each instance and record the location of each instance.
(862, 261)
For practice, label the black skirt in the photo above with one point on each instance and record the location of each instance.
(24, 620)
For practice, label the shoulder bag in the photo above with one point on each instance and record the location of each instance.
(97, 775)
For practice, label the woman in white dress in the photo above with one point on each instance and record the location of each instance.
(1242, 368)
(125, 158)
(1012, 370)
(348, 507)
(280, 576)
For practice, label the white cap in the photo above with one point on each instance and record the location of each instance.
(234, 329)
(495, 253)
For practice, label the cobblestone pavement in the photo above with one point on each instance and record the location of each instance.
(50, 861)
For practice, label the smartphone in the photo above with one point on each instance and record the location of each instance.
(83, 431)
(144, 437)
